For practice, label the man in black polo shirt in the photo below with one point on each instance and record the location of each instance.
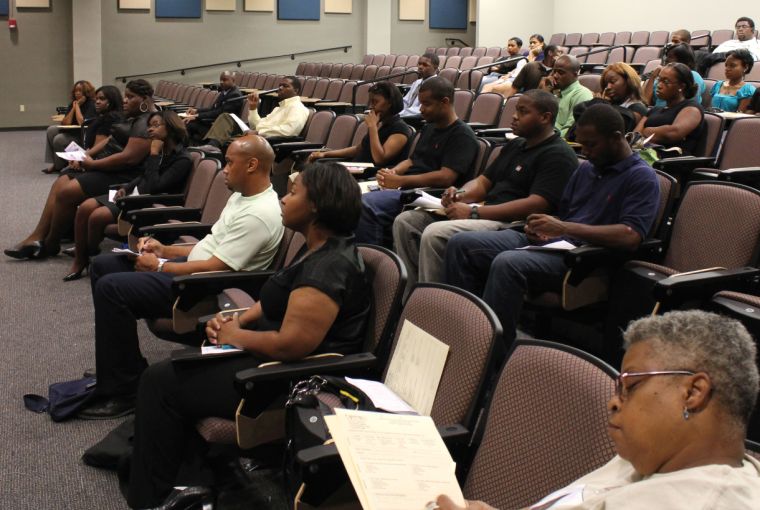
(610, 200)
(528, 177)
(444, 156)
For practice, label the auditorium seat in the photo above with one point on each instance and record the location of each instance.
(465, 52)
(307, 87)
(659, 38)
(624, 38)
(607, 39)
(397, 70)
(640, 38)
(450, 74)
(593, 82)
(346, 71)
(473, 335)
(485, 111)
(383, 71)
(452, 51)
(557, 40)
(701, 42)
(357, 72)
(389, 60)
(721, 36)
(462, 103)
(469, 80)
(479, 51)
(412, 61)
(468, 63)
(453, 62)
(336, 70)
(493, 52)
(378, 60)
(401, 61)
(367, 60)
(573, 39)
(487, 59)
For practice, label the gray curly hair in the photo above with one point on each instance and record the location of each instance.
(706, 342)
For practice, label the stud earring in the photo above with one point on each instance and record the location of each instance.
(685, 414)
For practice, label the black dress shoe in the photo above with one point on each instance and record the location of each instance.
(187, 498)
(28, 251)
(70, 252)
(76, 275)
(109, 408)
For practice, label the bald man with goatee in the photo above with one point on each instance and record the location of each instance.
(124, 289)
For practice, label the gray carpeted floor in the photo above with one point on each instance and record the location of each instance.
(46, 335)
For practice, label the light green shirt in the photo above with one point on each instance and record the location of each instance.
(247, 234)
(568, 98)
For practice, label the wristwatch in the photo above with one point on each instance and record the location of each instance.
(474, 213)
(160, 266)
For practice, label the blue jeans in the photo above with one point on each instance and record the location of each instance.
(379, 209)
(487, 264)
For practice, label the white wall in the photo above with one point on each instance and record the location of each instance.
(499, 20)
(595, 16)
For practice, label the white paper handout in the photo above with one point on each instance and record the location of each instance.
(382, 396)
(112, 194)
(415, 369)
(72, 152)
(243, 127)
(211, 350)
(356, 167)
(555, 246)
(395, 462)
(427, 201)
(131, 253)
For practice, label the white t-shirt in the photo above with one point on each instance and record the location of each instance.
(751, 45)
(247, 234)
(616, 485)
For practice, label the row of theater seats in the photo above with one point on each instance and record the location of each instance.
(641, 38)
(185, 94)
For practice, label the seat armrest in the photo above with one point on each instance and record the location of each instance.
(192, 288)
(117, 187)
(298, 146)
(297, 370)
(277, 140)
(493, 131)
(454, 435)
(585, 259)
(155, 215)
(172, 231)
(683, 164)
(304, 153)
(740, 174)
(703, 284)
(477, 126)
(133, 202)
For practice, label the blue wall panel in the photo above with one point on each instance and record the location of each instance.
(178, 8)
(298, 9)
(448, 14)
(3, 7)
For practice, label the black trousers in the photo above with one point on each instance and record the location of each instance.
(121, 296)
(172, 397)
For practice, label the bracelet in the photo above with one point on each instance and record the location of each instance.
(160, 265)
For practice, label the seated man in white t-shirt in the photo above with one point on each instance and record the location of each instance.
(745, 39)
(245, 238)
(678, 419)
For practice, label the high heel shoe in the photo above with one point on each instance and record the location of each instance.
(186, 498)
(34, 250)
(76, 275)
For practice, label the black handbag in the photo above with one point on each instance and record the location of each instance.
(309, 402)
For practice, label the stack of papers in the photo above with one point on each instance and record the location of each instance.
(395, 462)
(555, 246)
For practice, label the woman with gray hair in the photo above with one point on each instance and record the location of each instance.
(678, 419)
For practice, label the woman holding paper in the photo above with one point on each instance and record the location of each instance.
(678, 420)
(166, 171)
(320, 303)
(113, 160)
(387, 140)
(82, 109)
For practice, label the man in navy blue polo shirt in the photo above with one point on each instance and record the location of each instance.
(611, 200)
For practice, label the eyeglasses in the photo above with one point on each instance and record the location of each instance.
(622, 391)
